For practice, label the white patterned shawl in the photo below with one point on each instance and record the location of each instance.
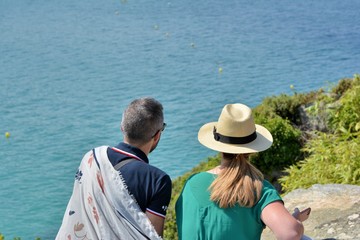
(100, 206)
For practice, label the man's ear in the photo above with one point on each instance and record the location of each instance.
(157, 136)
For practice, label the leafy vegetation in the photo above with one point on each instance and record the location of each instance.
(346, 117)
(286, 145)
(334, 156)
(332, 159)
(285, 106)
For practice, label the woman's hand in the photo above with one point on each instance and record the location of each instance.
(303, 215)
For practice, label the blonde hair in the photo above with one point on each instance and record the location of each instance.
(240, 182)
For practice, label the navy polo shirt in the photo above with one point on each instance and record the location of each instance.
(150, 186)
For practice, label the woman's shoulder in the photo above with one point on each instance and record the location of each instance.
(269, 194)
(267, 185)
(200, 178)
(201, 175)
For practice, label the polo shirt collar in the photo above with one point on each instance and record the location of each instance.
(133, 150)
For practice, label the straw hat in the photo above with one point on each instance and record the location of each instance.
(235, 132)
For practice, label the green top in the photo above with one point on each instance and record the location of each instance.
(198, 217)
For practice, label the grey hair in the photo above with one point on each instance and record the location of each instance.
(142, 119)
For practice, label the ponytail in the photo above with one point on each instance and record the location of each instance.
(240, 182)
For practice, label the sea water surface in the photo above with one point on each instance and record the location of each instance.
(69, 68)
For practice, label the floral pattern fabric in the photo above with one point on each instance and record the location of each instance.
(100, 206)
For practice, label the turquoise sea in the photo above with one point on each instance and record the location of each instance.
(68, 69)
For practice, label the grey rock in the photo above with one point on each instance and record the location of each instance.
(335, 211)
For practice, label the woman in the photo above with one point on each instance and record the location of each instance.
(233, 201)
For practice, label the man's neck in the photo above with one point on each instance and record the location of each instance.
(143, 147)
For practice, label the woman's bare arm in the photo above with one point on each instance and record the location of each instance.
(281, 222)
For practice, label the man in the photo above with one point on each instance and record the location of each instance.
(109, 179)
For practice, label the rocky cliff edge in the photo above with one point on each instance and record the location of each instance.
(335, 211)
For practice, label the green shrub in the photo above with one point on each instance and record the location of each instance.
(332, 159)
(286, 106)
(342, 86)
(286, 145)
(346, 118)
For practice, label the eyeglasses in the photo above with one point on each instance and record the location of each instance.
(162, 129)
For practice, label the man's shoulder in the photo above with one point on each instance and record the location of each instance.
(158, 170)
(146, 168)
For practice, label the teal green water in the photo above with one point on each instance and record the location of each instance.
(68, 68)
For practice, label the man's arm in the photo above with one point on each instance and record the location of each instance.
(157, 222)
(156, 210)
